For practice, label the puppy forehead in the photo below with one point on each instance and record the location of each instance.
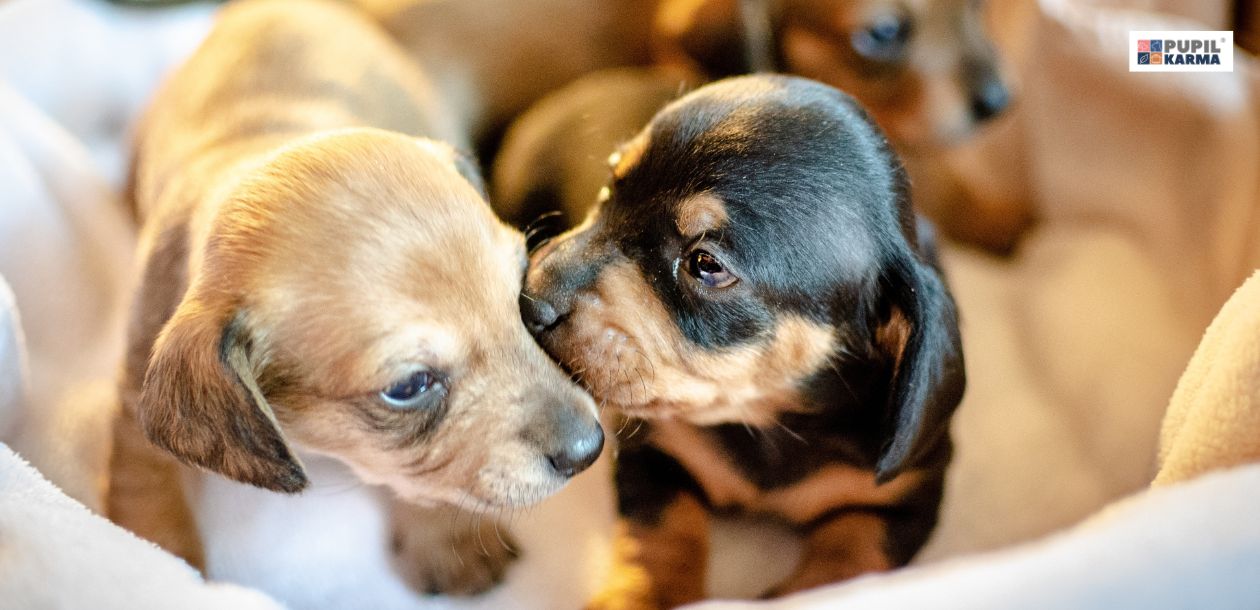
(371, 249)
(791, 170)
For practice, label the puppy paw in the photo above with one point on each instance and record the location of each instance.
(440, 551)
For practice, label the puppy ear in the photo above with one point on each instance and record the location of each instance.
(468, 167)
(716, 38)
(921, 337)
(201, 401)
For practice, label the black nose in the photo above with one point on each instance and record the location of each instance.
(990, 100)
(538, 314)
(577, 452)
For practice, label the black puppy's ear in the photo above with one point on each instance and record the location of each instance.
(201, 401)
(717, 38)
(921, 337)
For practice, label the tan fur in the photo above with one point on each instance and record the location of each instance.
(628, 155)
(700, 214)
(462, 553)
(143, 494)
(849, 545)
(661, 565)
(830, 487)
(628, 585)
(634, 357)
(303, 250)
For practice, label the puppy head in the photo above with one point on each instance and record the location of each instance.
(357, 298)
(925, 69)
(755, 244)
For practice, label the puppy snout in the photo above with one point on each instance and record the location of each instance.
(538, 313)
(569, 437)
(990, 99)
(577, 451)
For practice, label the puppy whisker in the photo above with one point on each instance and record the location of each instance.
(790, 432)
(541, 218)
(636, 430)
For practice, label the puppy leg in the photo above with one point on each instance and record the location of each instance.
(445, 550)
(659, 564)
(839, 548)
(146, 495)
(662, 550)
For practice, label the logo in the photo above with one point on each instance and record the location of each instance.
(1181, 51)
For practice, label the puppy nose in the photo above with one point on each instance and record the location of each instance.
(538, 313)
(577, 452)
(990, 100)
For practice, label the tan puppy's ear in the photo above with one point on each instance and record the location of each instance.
(715, 38)
(201, 401)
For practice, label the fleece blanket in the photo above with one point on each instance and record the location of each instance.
(55, 553)
(1147, 186)
(12, 363)
(1214, 418)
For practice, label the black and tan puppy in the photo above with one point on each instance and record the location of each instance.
(752, 285)
(322, 276)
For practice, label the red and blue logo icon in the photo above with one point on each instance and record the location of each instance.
(1150, 51)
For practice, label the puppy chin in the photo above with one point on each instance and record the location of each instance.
(509, 488)
(495, 489)
(490, 495)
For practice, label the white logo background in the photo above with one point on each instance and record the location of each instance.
(1223, 39)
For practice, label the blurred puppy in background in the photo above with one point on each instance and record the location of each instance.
(319, 276)
(753, 288)
(926, 70)
(495, 58)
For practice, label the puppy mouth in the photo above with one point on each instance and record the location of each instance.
(609, 364)
(619, 374)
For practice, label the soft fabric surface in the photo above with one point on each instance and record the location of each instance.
(12, 363)
(1148, 184)
(65, 247)
(55, 553)
(1190, 546)
(1214, 418)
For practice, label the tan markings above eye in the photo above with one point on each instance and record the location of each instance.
(700, 214)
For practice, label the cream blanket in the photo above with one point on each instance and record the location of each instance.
(1214, 419)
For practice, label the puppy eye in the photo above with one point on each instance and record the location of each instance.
(705, 267)
(410, 392)
(883, 39)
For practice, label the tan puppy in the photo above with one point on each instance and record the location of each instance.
(318, 278)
